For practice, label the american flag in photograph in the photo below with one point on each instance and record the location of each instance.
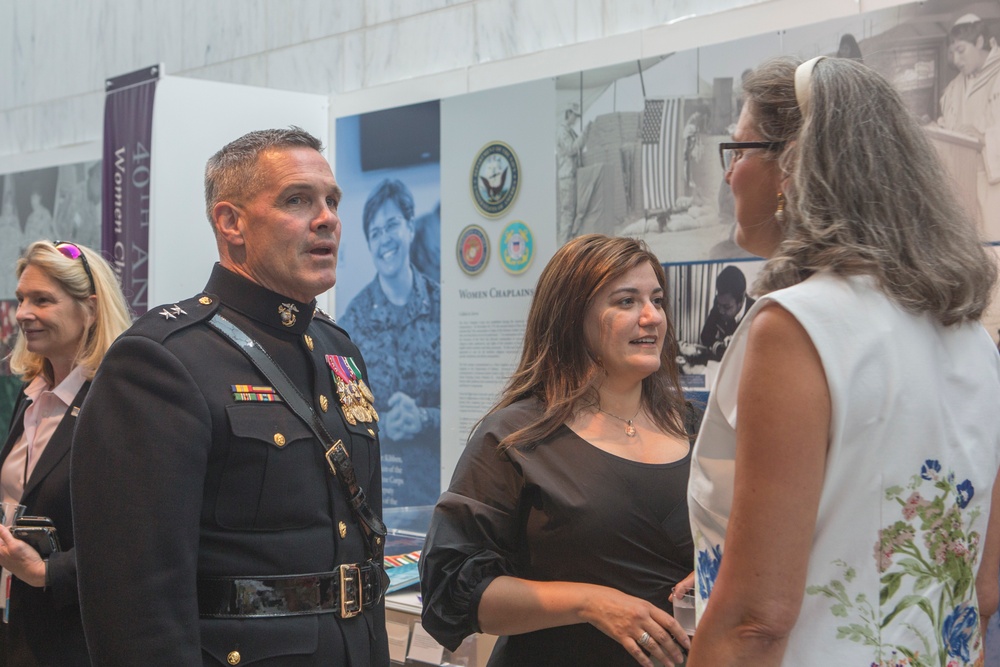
(659, 134)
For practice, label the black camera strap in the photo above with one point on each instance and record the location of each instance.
(334, 451)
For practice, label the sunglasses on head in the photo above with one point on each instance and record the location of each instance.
(72, 251)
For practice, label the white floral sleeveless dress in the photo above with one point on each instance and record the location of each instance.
(914, 452)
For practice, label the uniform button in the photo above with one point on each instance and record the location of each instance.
(205, 301)
(343, 529)
(233, 658)
(324, 404)
(279, 440)
(309, 341)
(371, 433)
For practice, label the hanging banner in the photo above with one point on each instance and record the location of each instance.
(128, 127)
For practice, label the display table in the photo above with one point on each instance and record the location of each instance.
(409, 644)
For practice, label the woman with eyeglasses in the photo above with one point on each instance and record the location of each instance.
(842, 485)
(70, 309)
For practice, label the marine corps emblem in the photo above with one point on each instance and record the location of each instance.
(473, 249)
(286, 312)
(495, 179)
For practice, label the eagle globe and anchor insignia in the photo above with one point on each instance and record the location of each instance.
(473, 249)
(495, 179)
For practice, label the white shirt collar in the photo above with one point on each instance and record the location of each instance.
(65, 391)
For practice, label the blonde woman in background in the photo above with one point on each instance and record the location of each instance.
(70, 309)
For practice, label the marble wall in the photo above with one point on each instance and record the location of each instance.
(56, 54)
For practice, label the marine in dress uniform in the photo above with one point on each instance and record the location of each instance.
(210, 528)
(185, 480)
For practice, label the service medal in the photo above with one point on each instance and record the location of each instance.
(365, 391)
(355, 397)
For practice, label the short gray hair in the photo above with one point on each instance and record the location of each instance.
(230, 174)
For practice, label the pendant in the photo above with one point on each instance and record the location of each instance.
(629, 429)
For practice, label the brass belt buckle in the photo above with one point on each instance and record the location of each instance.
(351, 603)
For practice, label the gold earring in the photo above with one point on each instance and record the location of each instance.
(779, 215)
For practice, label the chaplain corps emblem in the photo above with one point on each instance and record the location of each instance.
(517, 247)
(495, 179)
(473, 249)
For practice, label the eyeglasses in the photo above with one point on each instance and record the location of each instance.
(72, 251)
(731, 151)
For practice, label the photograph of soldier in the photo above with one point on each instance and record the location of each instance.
(570, 140)
(730, 305)
(78, 204)
(34, 200)
(970, 105)
(396, 321)
(39, 223)
(10, 237)
(389, 298)
(708, 301)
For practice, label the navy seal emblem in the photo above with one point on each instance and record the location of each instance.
(495, 179)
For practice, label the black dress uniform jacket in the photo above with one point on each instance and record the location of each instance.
(44, 625)
(175, 479)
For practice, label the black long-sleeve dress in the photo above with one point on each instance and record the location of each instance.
(562, 510)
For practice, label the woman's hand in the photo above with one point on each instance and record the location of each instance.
(627, 620)
(512, 606)
(21, 560)
(683, 586)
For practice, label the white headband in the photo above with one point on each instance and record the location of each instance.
(803, 74)
(967, 18)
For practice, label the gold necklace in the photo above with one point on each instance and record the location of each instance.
(629, 427)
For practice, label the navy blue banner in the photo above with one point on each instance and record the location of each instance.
(128, 128)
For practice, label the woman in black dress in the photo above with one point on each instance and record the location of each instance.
(565, 525)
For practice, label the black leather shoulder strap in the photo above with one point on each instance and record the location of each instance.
(334, 451)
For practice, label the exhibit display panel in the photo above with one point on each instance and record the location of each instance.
(620, 138)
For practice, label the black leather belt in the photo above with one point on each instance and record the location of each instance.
(347, 591)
